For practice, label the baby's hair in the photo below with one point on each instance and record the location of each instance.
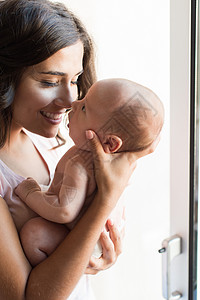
(138, 122)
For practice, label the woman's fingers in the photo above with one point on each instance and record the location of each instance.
(111, 246)
(108, 257)
(108, 247)
(116, 237)
(112, 171)
(99, 156)
(91, 271)
(94, 143)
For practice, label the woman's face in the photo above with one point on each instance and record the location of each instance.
(46, 90)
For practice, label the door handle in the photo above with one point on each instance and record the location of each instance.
(171, 247)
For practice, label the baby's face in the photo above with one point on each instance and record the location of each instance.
(89, 113)
(108, 96)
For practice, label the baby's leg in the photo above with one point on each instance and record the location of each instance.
(40, 238)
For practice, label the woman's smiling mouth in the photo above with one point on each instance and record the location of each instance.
(53, 118)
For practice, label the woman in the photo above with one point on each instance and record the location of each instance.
(46, 62)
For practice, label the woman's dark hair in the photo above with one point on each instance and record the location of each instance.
(30, 32)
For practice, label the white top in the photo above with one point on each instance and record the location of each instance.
(19, 210)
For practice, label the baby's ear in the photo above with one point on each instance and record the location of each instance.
(112, 143)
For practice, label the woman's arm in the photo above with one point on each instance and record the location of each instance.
(57, 276)
(69, 261)
(14, 267)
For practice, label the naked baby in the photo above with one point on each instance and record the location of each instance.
(126, 117)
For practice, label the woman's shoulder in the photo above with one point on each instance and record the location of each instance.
(8, 179)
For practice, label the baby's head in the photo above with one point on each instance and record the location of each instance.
(125, 115)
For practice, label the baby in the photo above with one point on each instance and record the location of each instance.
(126, 117)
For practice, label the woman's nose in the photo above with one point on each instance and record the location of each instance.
(65, 98)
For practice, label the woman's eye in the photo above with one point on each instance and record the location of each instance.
(74, 82)
(83, 108)
(49, 84)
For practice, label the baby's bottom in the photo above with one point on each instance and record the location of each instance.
(40, 238)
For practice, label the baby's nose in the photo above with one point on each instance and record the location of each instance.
(74, 105)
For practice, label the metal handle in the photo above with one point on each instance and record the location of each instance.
(175, 296)
(171, 247)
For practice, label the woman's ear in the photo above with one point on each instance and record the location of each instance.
(112, 143)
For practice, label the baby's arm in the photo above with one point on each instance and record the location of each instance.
(60, 208)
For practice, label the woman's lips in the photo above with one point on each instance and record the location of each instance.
(53, 118)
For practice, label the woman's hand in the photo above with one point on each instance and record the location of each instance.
(111, 247)
(112, 171)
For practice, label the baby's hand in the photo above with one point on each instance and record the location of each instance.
(26, 187)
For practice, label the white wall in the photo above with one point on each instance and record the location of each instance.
(132, 40)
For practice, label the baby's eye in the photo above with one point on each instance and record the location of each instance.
(83, 108)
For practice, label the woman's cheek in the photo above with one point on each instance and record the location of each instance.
(46, 96)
